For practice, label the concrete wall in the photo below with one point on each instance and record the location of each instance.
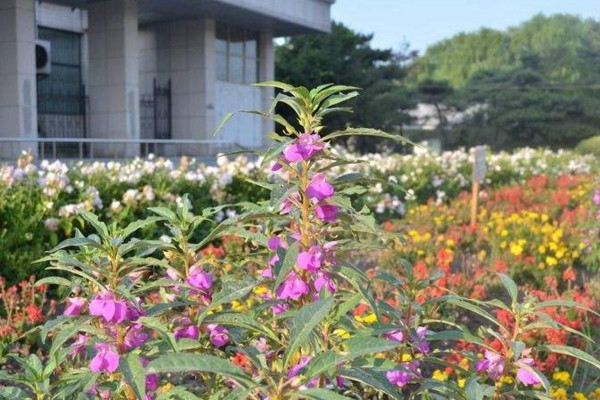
(310, 13)
(18, 103)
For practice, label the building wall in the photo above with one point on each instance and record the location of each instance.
(243, 129)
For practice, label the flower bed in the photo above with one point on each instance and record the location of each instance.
(277, 301)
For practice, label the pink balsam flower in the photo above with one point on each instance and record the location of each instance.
(75, 306)
(218, 335)
(106, 358)
(304, 148)
(110, 309)
(292, 288)
(319, 188)
(311, 260)
(199, 279)
(326, 212)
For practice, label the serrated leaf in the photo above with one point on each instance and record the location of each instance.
(53, 280)
(232, 290)
(573, 352)
(285, 264)
(134, 374)
(180, 362)
(303, 323)
(319, 394)
(510, 286)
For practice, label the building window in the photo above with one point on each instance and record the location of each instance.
(237, 55)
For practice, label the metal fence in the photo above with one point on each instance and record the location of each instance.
(111, 148)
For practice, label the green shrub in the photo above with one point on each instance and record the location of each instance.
(589, 146)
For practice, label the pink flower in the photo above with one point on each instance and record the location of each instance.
(305, 147)
(79, 345)
(110, 309)
(288, 204)
(135, 337)
(106, 358)
(524, 375)
(280, 308)
(292, 288)
(199, 279)
(274, 243)
(421, 341)
(403, 376)
(324, 281)
(326, 212)
(493, 363)
(396, 335)
(596, 198)
(187, 330)
(218, 335)
(311, 260)
(319, 189)
(75, 306)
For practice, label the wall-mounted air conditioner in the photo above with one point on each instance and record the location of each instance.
(43, 63)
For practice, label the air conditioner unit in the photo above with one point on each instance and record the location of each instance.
(43, 63)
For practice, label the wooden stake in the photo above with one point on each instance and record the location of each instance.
(474, 204)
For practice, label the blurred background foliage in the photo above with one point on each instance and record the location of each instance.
(536, 84)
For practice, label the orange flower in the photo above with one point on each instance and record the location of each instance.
(569, 275)
(241, 360)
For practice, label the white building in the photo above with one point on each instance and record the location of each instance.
(141, 69)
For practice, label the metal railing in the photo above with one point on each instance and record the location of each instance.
(112, 148)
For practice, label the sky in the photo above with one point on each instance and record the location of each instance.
(421, 23)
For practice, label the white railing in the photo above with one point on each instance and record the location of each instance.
(111, 148)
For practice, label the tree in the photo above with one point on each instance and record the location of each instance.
(346, 57)
(521, 107)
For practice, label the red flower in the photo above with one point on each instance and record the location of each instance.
(34, 314)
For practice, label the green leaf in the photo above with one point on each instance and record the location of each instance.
(134, 226)
(14, 393)
(367, 132)
(565, 303)
(285, 264)
(232, 290)
(322, 363)
(76, 242)
(134, 374)
(319, 394)
(92, 219)
(165, 213)
(242, 321)
(511, 287)
(53, 280)
(66, 333)
(303, 323)
(223, 122)
(573, 352)
(457, 335)
(372, 378)
(275, 84)
(160, 327)
(473, 308)
(359, 346)
(181, 362)
(53, 324)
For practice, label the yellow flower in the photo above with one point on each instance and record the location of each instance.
(167, 387)
(260, 290)
(406, 357)
(504, 233)
(542, 249)
(596, 394)
(344, 334)
(439, 375)
(507, 380)
(461, 382)
(559, 394)
(579, 396)
(551, 261)
(563, 377)
(516, 249)
(367, 319)
(238, 306)
(481, 256)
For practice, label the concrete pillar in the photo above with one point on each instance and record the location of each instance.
(114, 75)
(266, 53)
(192, 71)
(18, 102)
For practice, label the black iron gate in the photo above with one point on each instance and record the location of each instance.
(155, 116)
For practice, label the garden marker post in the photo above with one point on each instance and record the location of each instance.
(479, 169)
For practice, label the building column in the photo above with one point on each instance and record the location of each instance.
(193, 77)
(266, 53)
(114, 76)
(18, 102)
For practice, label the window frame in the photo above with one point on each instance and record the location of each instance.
(224, 73)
